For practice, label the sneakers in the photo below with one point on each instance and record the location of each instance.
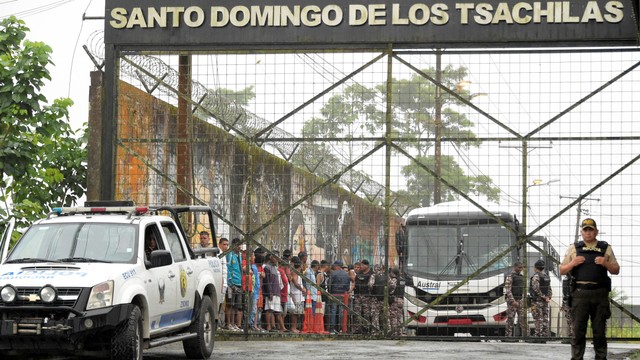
(233, 327)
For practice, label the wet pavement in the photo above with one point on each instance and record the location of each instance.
(285, 349)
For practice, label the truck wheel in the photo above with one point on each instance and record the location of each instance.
(201, 346)
(126, 343)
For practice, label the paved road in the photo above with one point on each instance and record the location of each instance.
(389, 349)
(296, 349)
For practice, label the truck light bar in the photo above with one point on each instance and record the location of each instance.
(137, 210)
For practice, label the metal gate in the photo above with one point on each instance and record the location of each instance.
(327, 152)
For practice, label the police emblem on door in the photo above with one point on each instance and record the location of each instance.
(183, 282)
(161, 290)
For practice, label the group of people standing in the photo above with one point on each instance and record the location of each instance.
(540, 293)
(586, 265)
(275, 290)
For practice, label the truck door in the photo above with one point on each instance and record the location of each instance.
(162, 284)
(186, 289)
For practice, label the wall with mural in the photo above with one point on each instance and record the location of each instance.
(252, 191)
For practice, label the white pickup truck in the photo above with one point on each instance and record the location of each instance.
(86, 279)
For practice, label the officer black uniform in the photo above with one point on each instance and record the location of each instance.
(589, 261)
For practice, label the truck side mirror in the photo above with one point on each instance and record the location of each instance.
(159, 258)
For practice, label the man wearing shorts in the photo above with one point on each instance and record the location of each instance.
(271, 292)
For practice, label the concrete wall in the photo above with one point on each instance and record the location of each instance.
(251, 190)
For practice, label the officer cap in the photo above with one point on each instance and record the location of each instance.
(539, 264)
(589, 223)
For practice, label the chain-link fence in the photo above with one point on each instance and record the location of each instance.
(442, 169)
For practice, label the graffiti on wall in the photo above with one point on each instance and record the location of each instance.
(247, 187)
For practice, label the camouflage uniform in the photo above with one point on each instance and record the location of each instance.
(568, 315)
(516, 306)
(566, 306)
(377, 301)
(395, 307)
(540, 305)
(362, 305)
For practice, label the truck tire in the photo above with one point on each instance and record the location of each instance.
(126, 343)
(201, 346)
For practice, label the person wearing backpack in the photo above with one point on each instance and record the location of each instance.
(377, 285)
(396, 301)
(513, 294)
(540, 292)
(362, 298)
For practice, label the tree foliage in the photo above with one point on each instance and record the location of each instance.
(359, 111)
(42, 160)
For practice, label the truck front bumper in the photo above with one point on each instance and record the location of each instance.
(41, 332)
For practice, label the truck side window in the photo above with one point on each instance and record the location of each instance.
(152, 240)
(173, 239)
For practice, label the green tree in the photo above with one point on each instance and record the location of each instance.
(414, 106)
(421, 184)
(419, 111)
(42, 160)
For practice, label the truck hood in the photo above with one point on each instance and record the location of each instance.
(59, 275)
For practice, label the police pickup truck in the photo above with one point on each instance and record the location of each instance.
(109, 280)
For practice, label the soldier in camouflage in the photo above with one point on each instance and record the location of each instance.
(377, 283)
(513, 291)
(362, 298)
(396, 301)
(540, 291)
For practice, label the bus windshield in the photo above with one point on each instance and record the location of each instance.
(456, 251)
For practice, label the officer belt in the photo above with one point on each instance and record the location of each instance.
(590, 286)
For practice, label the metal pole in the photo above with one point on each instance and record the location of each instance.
(437, 192)
(577, 236)
(387, 185)
(578, 221)
(523, 231)
(109, 123)
(183, 133)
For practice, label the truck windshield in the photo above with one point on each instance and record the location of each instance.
(77, 242)
(457, 251)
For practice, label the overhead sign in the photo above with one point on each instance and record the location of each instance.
(403, 23)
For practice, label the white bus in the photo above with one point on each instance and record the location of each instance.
(449, 242)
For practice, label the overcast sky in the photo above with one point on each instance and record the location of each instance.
(60, 24)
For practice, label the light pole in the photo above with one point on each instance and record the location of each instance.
(579, 209)
(540, 182)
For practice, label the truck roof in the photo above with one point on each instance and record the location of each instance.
(124, 214)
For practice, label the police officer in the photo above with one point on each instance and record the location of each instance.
(362, 296)
(590, 261)
(396, 301)
(540, 292)
(513, 291)
(377, 283)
